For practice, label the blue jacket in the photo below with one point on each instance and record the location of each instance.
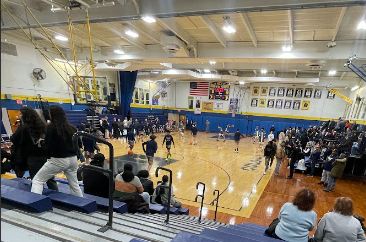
(151, 147)
(315, 156)
(329, 161)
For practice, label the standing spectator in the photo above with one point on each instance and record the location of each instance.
(336, 172)
(105, 126)
(339, 224)
(274, 145)
(314, 159)
(327, 167)
(90, 146)
(296, 219)
(268, 151)
(281, 137)
(194, 134)
(270, 136)
(125, 123)
(294, 150)
(150, 150)
(272, 129)
(62, 153)
(95, 182)
(29, 139)
(81, 126)
(280, 155)
(237, 137)
(102, 129)
(146, 182)
(207, 126)
(115, 129)
(161, 193)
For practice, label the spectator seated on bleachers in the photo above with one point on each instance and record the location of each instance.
(95, 182)
(296, 219)
(148, 185)
(339, 224)
(161, 194)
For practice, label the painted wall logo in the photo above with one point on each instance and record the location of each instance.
(252, 164)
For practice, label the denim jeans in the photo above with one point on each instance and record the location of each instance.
(278, 164)
(313, 163)
(267, 159)
(53, 166)
(331, 183)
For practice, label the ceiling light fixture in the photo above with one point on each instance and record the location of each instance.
(149, 19)
(206, 71)
(264, 71)
(332, 72)
(241, 82)
(132, 33)
(61, 37)
(229, 27)
(362, 25)
(118, 51)
(212, 62)
(355, 88)
(286, 48)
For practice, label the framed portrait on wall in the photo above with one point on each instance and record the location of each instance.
(270, 103)
(272, 91)
(287, 104)
(298, 92)
(264, 91)
(254, 102)
(330, 95)
(290, 92)
(305, 105)
(318, 93)
(296, 105)
(279, 103)
(281, 92)
(262, 103)
(255, 91)
(308, 92)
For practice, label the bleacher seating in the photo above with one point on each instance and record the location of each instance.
(142, 116)
(75, 117)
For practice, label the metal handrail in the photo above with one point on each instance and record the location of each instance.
(170, 189)
(110, 172)
(217, 201)
(202, 198)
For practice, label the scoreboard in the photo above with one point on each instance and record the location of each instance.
(219, 90)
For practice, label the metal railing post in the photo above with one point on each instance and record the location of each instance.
(217, 201)
(170, 189)
(202, 198)
(75, 139)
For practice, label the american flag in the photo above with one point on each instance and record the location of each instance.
(199, 88)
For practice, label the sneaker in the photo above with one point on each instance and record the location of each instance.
(310, 175)
(288, 177)
(320, 183)
(325, 190)
(264, 172)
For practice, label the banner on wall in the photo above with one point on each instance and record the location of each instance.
(287, 104)
(190, 103)
(272, 91)
(281, 92)
(279, 103)
(207, 106)
(234, 105)
(317, 93)
(296, 105)
(305, 105)
(197, 105)
(218, 106)
(330, 95)
(298, 92)
(308, 92)
(255, 91)
(270, 103)
(155, 102)
(264, 91)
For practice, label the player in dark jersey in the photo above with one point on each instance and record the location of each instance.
(237, 137)
(168, 138)
(131, 139)
(194, 133)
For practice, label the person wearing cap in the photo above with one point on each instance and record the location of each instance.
(314, 159)
(328, 167)
(336, 172)
(95, 182)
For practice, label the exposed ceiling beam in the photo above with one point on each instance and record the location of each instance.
(62, 7)
(342, 75)
(255, 73)
(83, 3)
(291, 26)
(340, 19)
(249, 27)
(170, 24)
(100, 37)
(214, 30)
(121, 33)
(145, 31)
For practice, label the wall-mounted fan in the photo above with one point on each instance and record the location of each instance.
(39, 74)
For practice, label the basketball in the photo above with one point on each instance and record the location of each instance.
(191, 143)
(130, 153)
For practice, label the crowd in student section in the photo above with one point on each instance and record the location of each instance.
(47, 149)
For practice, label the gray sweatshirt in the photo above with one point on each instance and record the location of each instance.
(337, 227)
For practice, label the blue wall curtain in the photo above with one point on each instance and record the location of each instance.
(127, 80)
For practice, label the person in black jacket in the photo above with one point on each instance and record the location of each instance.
(61, 152)
(268, 152)
(115, 129)
(150, 150)
(95, 182)
(314, 158)
(146, 182)
(295, 153)
(194, 134)
(5, 166)
(28, 140)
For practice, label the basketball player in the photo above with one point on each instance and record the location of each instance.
(228, 127)
(256, 134)
(131, 139)
(221, 134)
(237, 137)
(262, 136)
(194, 133)
(151, 148)
(169, 140)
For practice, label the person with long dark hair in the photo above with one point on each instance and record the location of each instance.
(61, 152)
(28, 138)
